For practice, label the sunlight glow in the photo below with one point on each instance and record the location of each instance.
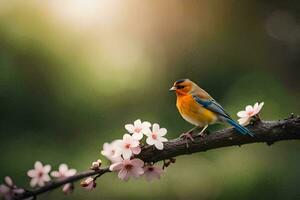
(86, 12)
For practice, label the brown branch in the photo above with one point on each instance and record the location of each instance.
(265, 131)
(55, 184)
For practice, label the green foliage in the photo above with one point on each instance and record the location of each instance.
(68, 84)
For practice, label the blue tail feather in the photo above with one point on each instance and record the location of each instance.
(239, 127)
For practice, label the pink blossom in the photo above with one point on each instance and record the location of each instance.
(128, 146)
(39, 174)
(68, 188)
(245, 115)
(88, 183)
(9, 190)
(128, 168)
(138, 129)
(4, 190)
(63, 171)
(110, 151)
(8, 181)
(151, 172)
(155, 137)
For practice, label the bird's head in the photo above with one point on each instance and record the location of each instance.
(182, 87)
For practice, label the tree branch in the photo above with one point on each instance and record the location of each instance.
(265, 131)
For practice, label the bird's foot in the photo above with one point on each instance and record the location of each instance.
(203, 132)
(202, 135)
(187, 136)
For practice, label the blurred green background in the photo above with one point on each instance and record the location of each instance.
(74, 72)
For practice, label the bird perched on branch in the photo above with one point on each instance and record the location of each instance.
(198, 108)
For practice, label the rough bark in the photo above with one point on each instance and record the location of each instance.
(267, 132)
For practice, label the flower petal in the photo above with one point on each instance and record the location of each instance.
(31, 173)
(18, 191)
(255, 107)
(155, 127)
(159, 145)
(67, 188)
(249, 108)
(127, 138)
(150, 141)
(106, 146)
(129, 128)
(146, 124)
(137, 172)
(33, 182)
(4, 189)
(137, 123)
(242, 114)
(116, 159)
(38, 165)
(46, 178)
(162, 139)
(117, 152)
(8, 181)
(154, 173)
(123, 174)
(136, 150)
(115, 143)
(137, 162)
(116, 166)
(70, 172)
(55, 174)
(147, 131)
(260, 106)
(40, 182)
(137, 136)
(127, 153)
(46, 169)
(244, 121)
(162, 132)
(135, 143)
(63, 168)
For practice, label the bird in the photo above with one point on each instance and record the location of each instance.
(197, 107)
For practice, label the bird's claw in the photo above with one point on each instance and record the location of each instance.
(203, 134)
(187, 136)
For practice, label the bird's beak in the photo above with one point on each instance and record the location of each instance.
(173, 88)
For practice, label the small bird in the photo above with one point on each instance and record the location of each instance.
(197, 107)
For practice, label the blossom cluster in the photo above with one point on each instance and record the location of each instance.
(40, 175)
(249, 113)
(8, 190)
(122, 152)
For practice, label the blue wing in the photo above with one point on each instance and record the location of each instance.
(213, 106)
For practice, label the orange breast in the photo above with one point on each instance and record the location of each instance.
(193, 112)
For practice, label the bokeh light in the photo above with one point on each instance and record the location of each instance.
(73, 72)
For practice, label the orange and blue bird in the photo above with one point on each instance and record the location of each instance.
(197, 107)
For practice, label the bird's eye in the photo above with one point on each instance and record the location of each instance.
(180, 86)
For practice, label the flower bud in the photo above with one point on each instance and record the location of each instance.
(96, 165)
(88, 183)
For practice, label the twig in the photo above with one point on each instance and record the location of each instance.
(55, 184)
(265, 131)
